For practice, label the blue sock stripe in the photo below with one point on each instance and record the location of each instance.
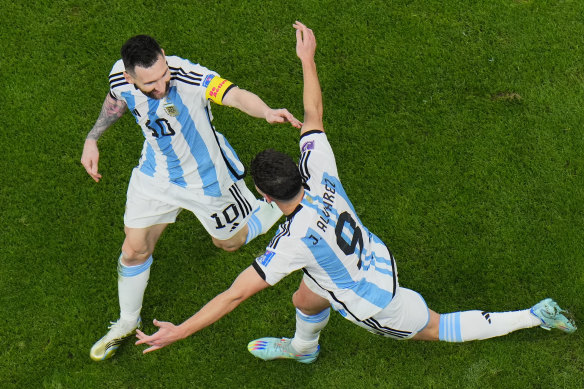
(132, 271)
(319, 317)
(254, 227)
(449, 329)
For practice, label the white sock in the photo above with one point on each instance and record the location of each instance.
(262, 219)
(477, 325)
(132, 281)
(308, 329)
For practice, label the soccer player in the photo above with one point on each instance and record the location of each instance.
(345, 265)
(185, 164)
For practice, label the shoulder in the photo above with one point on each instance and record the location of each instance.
(316, 158)
(118, 67)
(312, 139)
(187, 72)
(116, 78)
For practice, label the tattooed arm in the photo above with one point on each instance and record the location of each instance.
(111, 111)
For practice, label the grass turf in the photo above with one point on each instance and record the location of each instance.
(457, 131)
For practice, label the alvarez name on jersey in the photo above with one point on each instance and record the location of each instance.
(324, 237)
(181, 146)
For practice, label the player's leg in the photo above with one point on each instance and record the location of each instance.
(133, 274)
(134, 268)
(146, 218)
(478, 325)
(312, 315)
(233, 243)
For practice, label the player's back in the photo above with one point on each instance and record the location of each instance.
(325, 237)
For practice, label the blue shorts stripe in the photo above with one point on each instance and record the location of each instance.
(254, 227)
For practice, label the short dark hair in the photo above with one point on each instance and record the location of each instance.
(140, 50)
(276, 174)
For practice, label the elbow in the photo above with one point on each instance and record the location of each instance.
(313, 115)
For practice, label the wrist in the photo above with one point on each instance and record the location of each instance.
(182, 332)
(267, 115)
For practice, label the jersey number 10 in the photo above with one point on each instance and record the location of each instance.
(164, 128)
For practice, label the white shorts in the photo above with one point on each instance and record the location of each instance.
(405, 316)
(151, 202)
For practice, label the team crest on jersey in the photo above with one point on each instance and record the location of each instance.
(308, 146)
(171, 109)
(208, 80)
(265, 258)
(308, 198)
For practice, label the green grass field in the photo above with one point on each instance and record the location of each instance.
(457, 127)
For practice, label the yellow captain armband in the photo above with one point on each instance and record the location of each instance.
(216, 88)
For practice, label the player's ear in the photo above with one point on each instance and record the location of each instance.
(128, 77)
(265, 196)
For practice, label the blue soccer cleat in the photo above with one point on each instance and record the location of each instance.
(279, 348)
(550, 314)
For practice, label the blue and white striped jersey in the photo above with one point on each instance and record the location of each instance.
(325, 238)
(181, 145)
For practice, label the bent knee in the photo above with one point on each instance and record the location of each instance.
(135, 254)
(309, 305)
(228, 245)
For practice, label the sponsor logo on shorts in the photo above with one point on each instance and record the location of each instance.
(208, 80)
(265, 259)
(308, 146)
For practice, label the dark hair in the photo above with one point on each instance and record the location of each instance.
(140, 50)
(276, 175)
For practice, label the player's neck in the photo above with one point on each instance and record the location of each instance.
(289, 206)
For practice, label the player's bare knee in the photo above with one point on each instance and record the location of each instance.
(297, 300)
(133, 256)
(432, 329)
(303, 304)
(228, 245)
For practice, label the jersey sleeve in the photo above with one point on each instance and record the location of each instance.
(316, 156)
(209, 83)
(277, 263)
(117, 80)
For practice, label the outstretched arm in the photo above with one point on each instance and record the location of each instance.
(245, 285)
(312, 97)
(111, 111)
(252, 105)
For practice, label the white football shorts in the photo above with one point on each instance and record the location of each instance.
(150, 202)
(405, 316)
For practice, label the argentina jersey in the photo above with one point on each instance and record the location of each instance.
(181, 146)
(325, 238)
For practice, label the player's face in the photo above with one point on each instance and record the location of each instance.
(154, 81)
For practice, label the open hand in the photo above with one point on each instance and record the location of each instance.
(305, 42)
(167, 334)
(282, 116)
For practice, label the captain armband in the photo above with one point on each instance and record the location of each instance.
(216, 88)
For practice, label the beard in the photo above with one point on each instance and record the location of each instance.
(153, 95)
